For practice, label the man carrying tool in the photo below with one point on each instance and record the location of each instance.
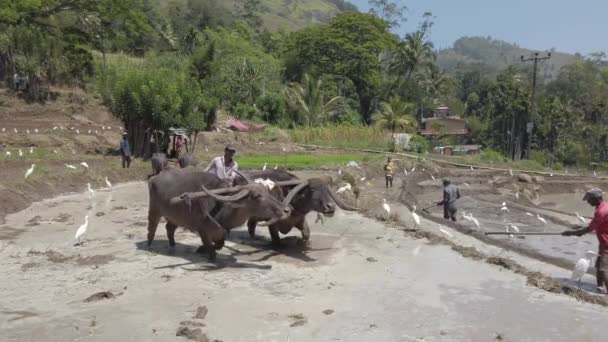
(224, 167)
(450, 195)
(389, 172)
(599, 224)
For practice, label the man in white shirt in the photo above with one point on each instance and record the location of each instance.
(224, 167)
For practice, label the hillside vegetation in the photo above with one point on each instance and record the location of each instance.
(347, 82)
(494, 55)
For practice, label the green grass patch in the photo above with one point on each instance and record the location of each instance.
(302, 161)
(344, 136)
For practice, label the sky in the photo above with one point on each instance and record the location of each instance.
(566, 25)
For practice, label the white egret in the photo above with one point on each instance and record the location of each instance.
(517, 195)
(416, 217)
(55, 151)
(594, 174)
(15, 130)
(29, 171)
(8, 153)
(20, 153)
(344, 188)
(91, 192)
(529, 214)
(581, 267)
(405, 171)
(504, 207)
(340, 172)
(541, 219)
(508, 231)
(85, 164)
(109, 127)
(31, 150)
(77, 132)
(551, 175)
(445, 231)
(362, 179)
(27, 131)
(55, 128)
(514, 227)
(36, 130)
(108, 183)
(206, 149)
(103, 128)
(276, 166)
(413, 169)
(89, 131)
(511, 172)
(82, 229)
(3, 129)
(466, 184)
(264, 167)
(284, 149)
(472, 169)
(581, 218)
(96, 133)
(433, 177)
(386, 207)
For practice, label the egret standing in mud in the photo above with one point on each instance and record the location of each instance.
(581, 267)
(504, 207)
(70, 166)
(90, 190)
(85, 165)
(344, 188)
(108, 183)
(30, 171)
(82, 229)
(387, 208)
(416, 217)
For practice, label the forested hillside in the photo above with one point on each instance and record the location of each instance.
(178, 63)
(495, 55)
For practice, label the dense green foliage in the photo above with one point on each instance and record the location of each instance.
(344, 81)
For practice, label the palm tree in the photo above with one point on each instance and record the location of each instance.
(413, 51)
(308, 100)
(396, 114)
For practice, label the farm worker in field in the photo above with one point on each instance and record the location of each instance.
(178, 146)
(450, 194)
(389, 172)
(224, 166)
(125, 151)
(599, 224)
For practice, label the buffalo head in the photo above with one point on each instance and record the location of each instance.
(314, 195)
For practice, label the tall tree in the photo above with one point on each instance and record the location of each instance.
(389, 11)
(347, 47)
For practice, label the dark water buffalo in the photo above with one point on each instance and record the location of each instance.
(187, 160)
(311, 195)
(159, 163)
(209, 212)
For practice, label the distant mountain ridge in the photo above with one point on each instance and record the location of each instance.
(494, 55)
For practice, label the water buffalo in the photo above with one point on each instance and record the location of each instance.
(307, 196)
(159, 163)
(209, 212)
(187, 160)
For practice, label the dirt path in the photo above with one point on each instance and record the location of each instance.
(360, 281)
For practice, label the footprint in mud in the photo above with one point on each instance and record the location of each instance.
(196, 335)
(328, 312)
(62, 218)
(120, 207)
(100, 296)
(297, 320)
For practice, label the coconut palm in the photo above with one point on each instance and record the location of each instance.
(413, 51)
(396, 114)
(308, 100)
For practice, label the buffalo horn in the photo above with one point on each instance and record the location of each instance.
(339, 202)
(294, 192)
(232, 198)
(244, 176)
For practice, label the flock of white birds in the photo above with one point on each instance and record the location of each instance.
(30, 171)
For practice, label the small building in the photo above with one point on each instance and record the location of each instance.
(443, 123)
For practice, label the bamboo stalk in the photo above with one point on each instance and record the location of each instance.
(529, 233)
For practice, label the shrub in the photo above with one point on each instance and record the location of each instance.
(245, 111)
(271, 107)
(540, 157)
(418, 144)
(493, 156)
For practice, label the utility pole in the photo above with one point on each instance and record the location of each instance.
(530, 125)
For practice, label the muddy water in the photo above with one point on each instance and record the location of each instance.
(360, 281)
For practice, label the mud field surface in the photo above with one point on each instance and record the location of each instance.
(359, 281)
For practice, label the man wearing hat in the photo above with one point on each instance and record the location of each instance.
(125, 151)
(599, 224)
(224, 166)
(450, 194)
